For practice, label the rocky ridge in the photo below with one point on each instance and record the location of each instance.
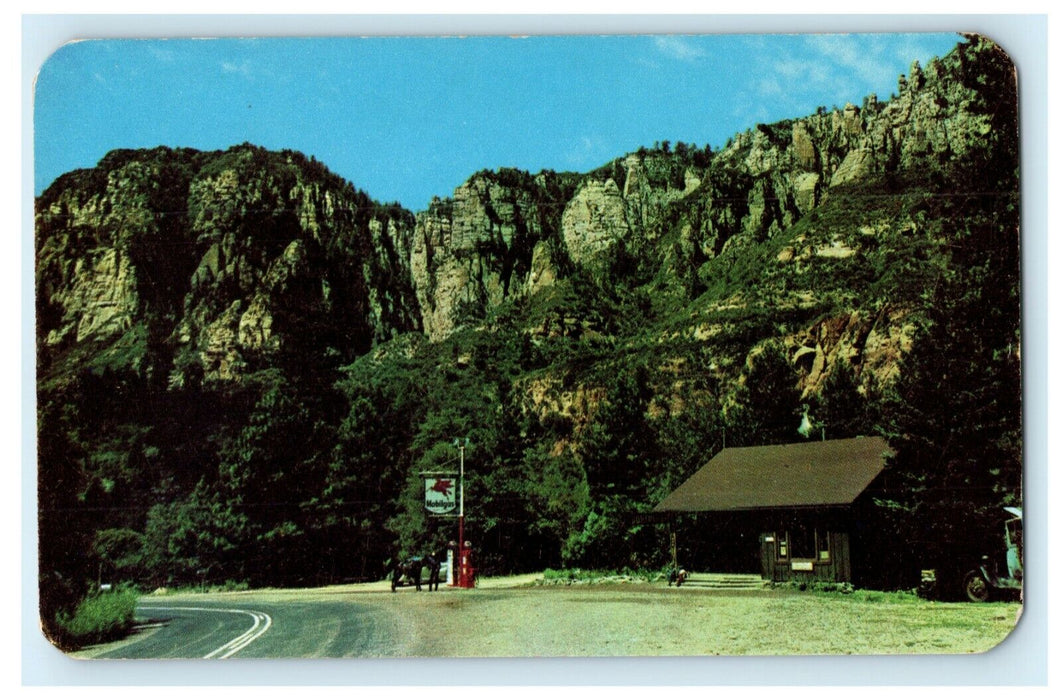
(754, 190)
(207, 247)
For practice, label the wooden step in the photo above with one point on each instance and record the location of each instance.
(725, 581)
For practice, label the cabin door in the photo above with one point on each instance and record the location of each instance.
(768, 555)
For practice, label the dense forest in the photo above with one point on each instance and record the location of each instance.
(245, 364)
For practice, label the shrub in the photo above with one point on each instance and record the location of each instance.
(592, 576)
(864, 595)
(869, 596)
(98, 618)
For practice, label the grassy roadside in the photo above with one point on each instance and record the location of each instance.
(101, 617)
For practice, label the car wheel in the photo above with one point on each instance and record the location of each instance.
(975, 587)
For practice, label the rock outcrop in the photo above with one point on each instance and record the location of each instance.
(872, 343)
(472, 251)
(508, 234)
(594, 220)
(211, 264)
(500, 236)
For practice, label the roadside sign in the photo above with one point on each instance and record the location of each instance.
(440, 495)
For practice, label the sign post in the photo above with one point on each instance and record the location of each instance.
(442, 497)
(465, 574)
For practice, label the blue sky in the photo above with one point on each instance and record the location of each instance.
(407, 118)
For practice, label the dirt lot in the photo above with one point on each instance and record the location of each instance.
(511, 618)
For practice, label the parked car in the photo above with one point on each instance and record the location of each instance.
(997, 574)
(1000, 572)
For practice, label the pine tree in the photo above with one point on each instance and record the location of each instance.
(767, 406)
(954, 417)
(843, 410)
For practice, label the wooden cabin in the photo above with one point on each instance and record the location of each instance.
(803, 498)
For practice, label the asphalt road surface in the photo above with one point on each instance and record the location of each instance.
(200, 628)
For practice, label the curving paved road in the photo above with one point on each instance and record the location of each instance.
(253, 627)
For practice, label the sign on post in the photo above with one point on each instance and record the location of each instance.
(440, 495)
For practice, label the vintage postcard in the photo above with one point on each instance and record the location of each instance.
(549, 346)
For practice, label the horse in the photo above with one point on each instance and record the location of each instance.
(410, 570)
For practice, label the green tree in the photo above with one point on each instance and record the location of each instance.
(64, 520)
(274, 471)
(120, 550)
(954, 416)
(767, 404)
(618, 451)
(687, 439)
(365, 478)
(618, 444)
(843, 411)
(954, 419)
(195, 539)
(557, 498)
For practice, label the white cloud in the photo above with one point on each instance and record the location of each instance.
(163, 55)
(588, 151)
(749, 112)
(769, 87)
(790, 68)
(824, 69)
(242, 68)
(678, 48)
(858, 55)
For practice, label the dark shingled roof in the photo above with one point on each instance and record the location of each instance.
(827, 473)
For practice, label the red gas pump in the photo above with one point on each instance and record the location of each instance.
(466, 573)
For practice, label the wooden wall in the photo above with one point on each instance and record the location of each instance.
(837, 568)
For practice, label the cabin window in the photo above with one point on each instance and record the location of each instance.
(802, 542)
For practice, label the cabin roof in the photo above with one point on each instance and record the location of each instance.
(805, 474)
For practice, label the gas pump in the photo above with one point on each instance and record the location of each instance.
(451, 561)
(466, 576)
